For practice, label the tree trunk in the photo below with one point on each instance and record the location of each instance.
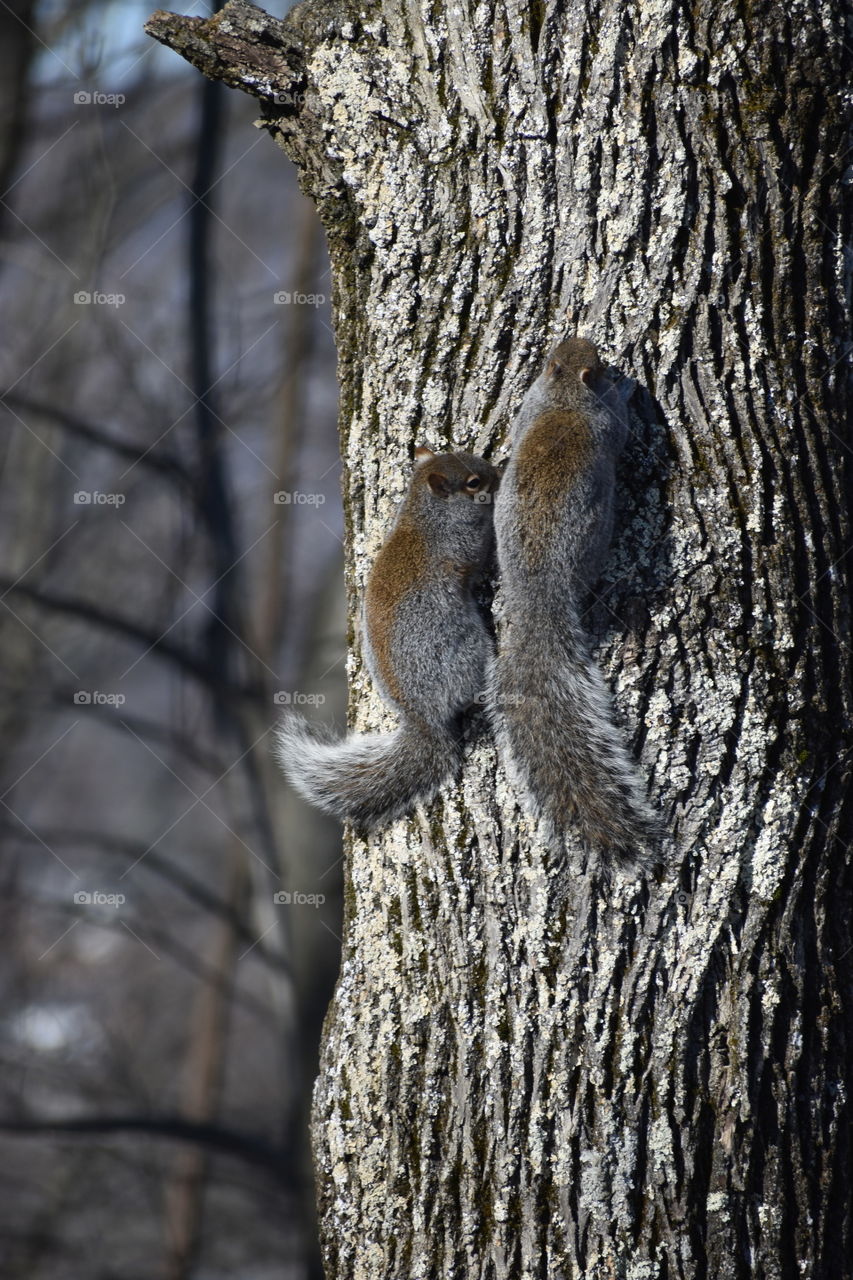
(527, 1072)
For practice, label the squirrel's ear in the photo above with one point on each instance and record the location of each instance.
(439, 484)
(422, 453)
(553, 367)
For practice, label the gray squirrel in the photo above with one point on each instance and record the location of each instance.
(553, 521)
(427, 645)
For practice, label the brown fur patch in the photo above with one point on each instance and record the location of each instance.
(401, 562)
(555, 452)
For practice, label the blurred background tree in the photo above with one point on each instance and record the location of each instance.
(171, 573)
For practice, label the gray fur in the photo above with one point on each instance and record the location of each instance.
(438, 648)
(370, 777)
(548, 701)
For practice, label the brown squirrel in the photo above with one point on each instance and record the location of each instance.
(553, 522)
(426, 644)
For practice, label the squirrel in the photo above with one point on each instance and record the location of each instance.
(553, 520)
(426, 643)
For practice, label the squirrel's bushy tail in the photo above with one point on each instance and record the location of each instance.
(552, 716)
(371, 777)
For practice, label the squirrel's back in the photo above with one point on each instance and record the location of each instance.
(553, 522)
(426, 645)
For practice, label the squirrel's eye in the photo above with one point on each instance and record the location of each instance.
(473, 483)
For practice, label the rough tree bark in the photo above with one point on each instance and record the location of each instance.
(648, 1079)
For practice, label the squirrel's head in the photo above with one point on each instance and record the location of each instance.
(575, 360)
(455, 475)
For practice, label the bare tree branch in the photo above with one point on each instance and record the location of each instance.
(167, 464)
(153, 641)
(149, 859)
(216, 1138)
